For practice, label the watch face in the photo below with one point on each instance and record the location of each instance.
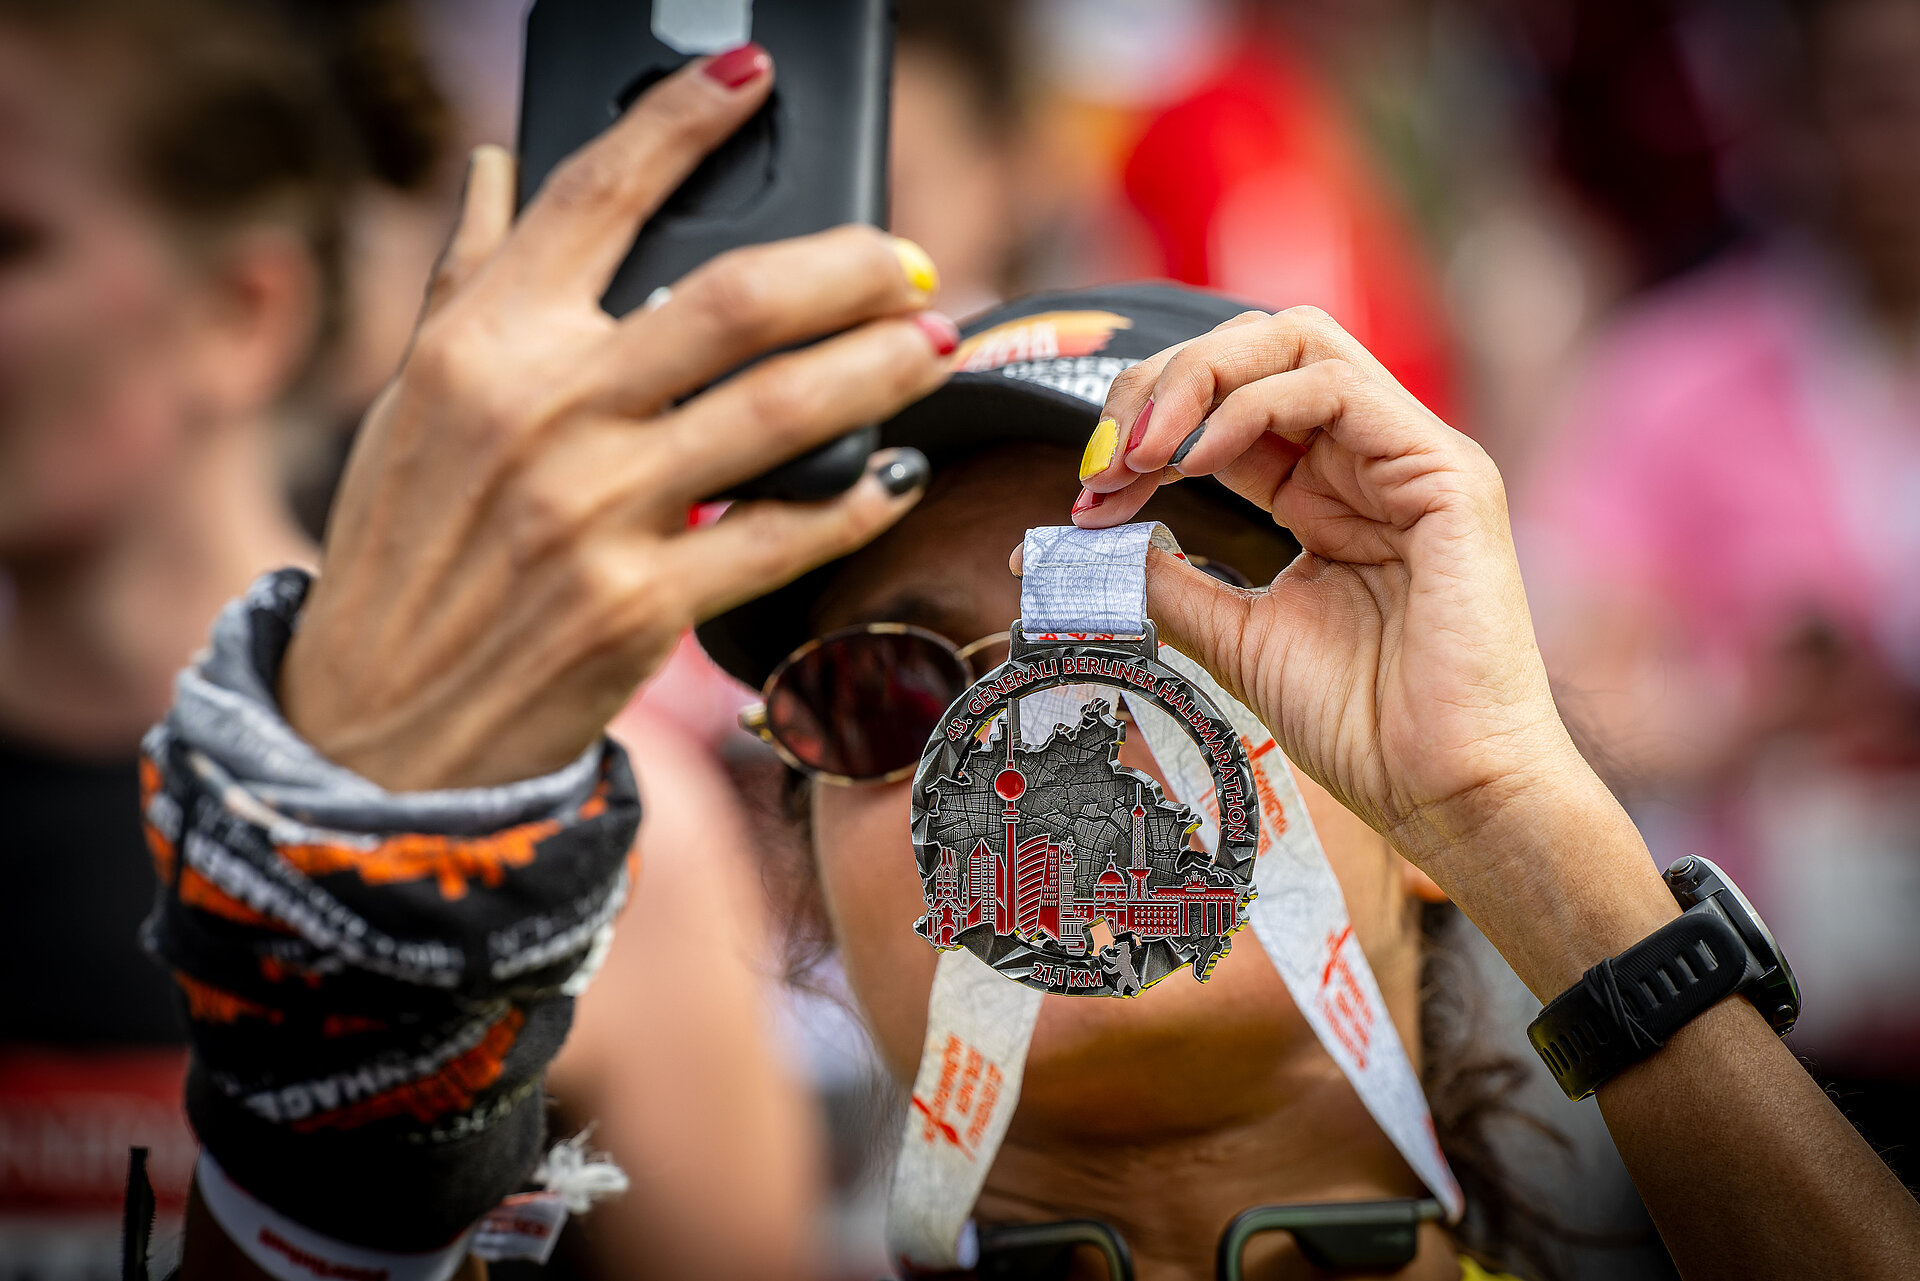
(1777, 994)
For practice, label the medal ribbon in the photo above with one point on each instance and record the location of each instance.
(1300, 917)
(1090, 585)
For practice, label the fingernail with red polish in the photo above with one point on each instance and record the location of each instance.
(737, 68)
(1139, 431)
(1087, 501)
(941, 332)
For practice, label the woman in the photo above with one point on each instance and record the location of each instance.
(1003, 448)
(516, 598)
(1439, 742)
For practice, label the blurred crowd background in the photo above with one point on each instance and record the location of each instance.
(1661, 257)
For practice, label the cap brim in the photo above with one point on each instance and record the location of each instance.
(1005, 404)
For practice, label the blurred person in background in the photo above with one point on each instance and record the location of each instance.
(961, 109)
(206, 213)
(171, 178)
(1203, 141)
(1726, 540)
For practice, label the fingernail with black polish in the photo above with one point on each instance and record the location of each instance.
(1186, 446)
(904, 472)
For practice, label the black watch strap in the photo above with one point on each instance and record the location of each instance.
(1626, 1007)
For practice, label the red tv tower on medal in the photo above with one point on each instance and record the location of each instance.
(1010, 784)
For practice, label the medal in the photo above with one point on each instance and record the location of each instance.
(1051, 861)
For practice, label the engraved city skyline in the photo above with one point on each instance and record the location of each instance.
(1039, 843)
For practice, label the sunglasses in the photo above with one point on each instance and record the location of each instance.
(1373, 1237)
(1341, 1236)
(858, 705)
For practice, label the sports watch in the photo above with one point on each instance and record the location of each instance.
(1625, 1008)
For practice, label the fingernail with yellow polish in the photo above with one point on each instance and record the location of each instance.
(921, 273)
(1100, 448)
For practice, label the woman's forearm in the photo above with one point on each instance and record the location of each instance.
(1747, 1168)
(1557, 877)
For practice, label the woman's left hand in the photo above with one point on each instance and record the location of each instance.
(1395, 660)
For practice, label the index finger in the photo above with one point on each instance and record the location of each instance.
(1128, 411)
(581, 224)
(1210, 368)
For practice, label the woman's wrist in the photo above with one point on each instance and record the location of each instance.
(1557, 877)
(376, 979)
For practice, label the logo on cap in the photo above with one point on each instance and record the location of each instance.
(1056, 349)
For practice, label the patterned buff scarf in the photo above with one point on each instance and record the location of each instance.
(375, 981)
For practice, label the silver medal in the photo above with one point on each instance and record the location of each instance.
(1057, 865)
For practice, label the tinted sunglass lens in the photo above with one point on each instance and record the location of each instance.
(862, 705)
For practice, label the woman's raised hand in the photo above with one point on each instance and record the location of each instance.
(1395, 660)
(508, 556)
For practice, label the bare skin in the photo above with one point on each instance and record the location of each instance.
(96, 630)
(1396, 664)
(510, 536)
(680, 1078)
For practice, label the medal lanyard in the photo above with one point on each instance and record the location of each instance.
(1086, 589)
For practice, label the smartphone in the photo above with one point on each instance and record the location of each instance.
(813, 157)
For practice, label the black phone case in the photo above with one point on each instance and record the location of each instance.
(814, 157)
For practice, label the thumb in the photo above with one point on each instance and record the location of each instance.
(486, 216)
(1202, 617)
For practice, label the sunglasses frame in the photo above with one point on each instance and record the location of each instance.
(1018, 1250)
(1335, 1236)
(754, 719)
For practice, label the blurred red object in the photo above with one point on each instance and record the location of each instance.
(67, 1118)
(1253, 184)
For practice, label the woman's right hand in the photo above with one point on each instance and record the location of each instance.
(508, 556)
(1395, 660)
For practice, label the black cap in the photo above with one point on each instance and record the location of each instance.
(1034, 370)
